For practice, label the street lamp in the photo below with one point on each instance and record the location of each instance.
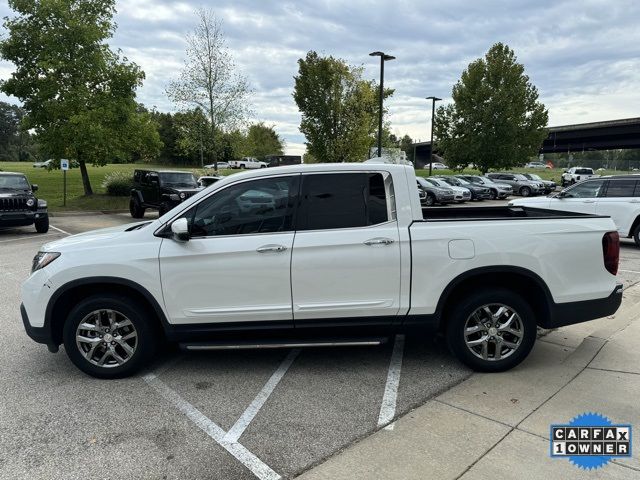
(433, 116)
(383, 56)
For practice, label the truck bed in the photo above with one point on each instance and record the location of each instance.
(443, 214)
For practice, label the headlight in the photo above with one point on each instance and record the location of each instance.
(42, 204)
(42, 259)
(30, 202)
(182, 195)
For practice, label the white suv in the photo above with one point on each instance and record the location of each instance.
(617, 197)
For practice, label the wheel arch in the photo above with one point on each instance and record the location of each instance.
(521, 280)
(63, 300)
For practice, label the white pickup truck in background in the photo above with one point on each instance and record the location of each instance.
(316, 255)
(247, 163)
(575, 175)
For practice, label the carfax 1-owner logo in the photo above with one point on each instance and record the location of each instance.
(590, 441)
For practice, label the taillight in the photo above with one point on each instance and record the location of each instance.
(611, 251)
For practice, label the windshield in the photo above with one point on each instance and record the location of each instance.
(14, 182)
(463, 182)
(453, 181)
(533, 176)
(178, 179)
(430, 182)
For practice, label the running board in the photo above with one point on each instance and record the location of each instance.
(283, 344)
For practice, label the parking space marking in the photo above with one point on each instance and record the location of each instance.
(204, 423)
(629, 271)
(252, 410)
(60, 230)
(33, 237)
(389, 399)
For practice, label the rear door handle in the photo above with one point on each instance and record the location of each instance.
(378, 241)
(271, 248)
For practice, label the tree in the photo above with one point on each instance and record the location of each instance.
(209, 80)
(406, 145)
(262, 140)
(79, 95)
(15, 141)
(339, 108)
(496, 120)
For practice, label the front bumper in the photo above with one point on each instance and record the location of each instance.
(562, 314)
(21, 218)
(38, 334)
(445, 198)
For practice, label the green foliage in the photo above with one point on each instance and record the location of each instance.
(15, 141)
(339, 108)
(118, 183)
(262, 140)
(496, 120)
(79, 95)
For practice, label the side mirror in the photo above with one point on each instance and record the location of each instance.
(34, 188)
(562, 194)
(180, 230)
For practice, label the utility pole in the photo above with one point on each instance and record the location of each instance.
(433, 118)
(383, 57)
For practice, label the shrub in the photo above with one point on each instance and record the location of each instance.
(118, 184)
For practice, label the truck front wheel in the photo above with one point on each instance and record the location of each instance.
(491, 330)
(42, 225)
(109, 336)
(135, 209)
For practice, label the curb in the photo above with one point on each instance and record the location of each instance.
(80, 213)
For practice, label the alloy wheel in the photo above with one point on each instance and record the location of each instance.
(493, 332)
(106, 338)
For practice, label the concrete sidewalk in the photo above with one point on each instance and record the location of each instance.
(497, 425)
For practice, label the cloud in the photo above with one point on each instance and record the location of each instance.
(582, 55)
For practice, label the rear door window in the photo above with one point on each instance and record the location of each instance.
(344, 200)
(621, 188)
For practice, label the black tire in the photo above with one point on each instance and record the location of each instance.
(430, 201)
(493, 194)
(636, 236)
(146, 343)
(525, 191)
(241, 167)
(42, 224)
(456, 324)
(135, 209)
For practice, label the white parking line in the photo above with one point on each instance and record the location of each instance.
(388, 407)
(252, 410)
(31, 237)
(629, 271)
(248, 459)
(60, 230)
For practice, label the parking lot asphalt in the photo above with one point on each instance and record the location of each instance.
(231, 415)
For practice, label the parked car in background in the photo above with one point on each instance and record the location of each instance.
(207, 180)
(435, 193)
(346, 249)
(614, 196)
(436, 166)
(540, 165)
(496, 190)
(521, 185)
(161, 190)
(478, 192)
(575, 175)
(19, 206)
(221, 166)
(460, 194)
(45, 164)
(247, 163)
(548, 185)
(280, 160)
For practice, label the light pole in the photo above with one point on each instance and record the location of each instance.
(383, 57)
(433, 116)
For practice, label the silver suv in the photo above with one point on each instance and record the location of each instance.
(521, 185)
(496, 190)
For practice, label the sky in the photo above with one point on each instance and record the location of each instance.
(583, 56)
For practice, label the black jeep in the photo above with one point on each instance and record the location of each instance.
(162, 190)
(19, 207)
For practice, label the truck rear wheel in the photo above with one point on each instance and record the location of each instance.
(491, 330)
(109, 336)
(135, 209)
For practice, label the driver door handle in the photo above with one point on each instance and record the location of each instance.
(378, 241)
(271, 248)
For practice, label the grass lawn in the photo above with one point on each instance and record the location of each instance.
(50, 185)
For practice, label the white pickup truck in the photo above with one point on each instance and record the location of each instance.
(247, 163)
(316, 255)
(575, 175)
